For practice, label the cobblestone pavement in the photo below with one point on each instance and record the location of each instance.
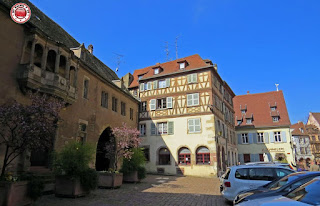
(155, 190)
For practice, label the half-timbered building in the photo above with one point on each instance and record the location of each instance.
(186, 117)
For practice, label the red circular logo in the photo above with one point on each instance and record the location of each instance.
(20, 13)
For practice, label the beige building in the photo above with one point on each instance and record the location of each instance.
(186, 117)
(263, 128)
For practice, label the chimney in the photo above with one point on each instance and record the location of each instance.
(90, 48)
(248, 92)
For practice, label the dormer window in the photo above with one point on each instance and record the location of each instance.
(301, 130)
(275, 119)
(273, 108)
(140, 77)
(182, 65)
(156, 71)
(249, 121)
(239, 122)
(243, 111)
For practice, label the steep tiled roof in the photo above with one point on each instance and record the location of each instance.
(298, 129)
(193, 62)
(259, 105)
(316, 115)
(56, 33)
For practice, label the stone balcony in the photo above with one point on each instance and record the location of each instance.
(33, 77)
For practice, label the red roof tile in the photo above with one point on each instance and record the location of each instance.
(298, 128)
(193, 62)
(316, 115)
(259, 105)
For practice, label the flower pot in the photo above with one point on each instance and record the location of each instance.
(66, 186)
(131, 177)
(14, 194)
(110, 180)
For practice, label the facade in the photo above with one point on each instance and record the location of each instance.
(186, 117)
(301, 143)
(314, 119)
(43, 57)
(263, 127)
(314, 135)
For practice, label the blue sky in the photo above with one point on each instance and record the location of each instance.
(256, 43)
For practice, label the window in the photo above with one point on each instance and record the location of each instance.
(282, 172)
(246, 158)
(82, 133)
(156, 71)
(164, 156)
(244, 138)
(140, 77)
(193, 99)
(194, 125)
(135, 92)
(260, 137)
(277, 136)
(114, 104)
(192, 78)
(143, 107)
(85, 88)
(182, 65)
(203, 155)
(142, 129)
(239, 122)
(275, 119)
(162, 83)
(308, 193)
(123, 109)
(104, 99)
(261, 159)
(161, 103)
(241, 174)
(273, 108)
(302, 150)
(131, 113)
(249, 121)
(146, 151)
(162, 128)
(147, 86)
(264, 174)
(243, 111)
(184, 156)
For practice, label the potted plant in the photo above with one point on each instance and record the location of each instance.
(24, 128)
(74, 177)
(133, 168)
(119, 147)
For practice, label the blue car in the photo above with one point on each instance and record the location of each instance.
(278, 187)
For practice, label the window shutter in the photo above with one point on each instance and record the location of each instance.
(142, 87)
(169, 102)
(149, 85)
(194, 78)
(283, 136)
(152, 104)
(153, 129)
(239, 139)
(250, 138)
(168, 82)
(252, 158)
(170, 128)
(197, 125)
(196, 99)
(155, 84)
(189, 78)
(271, 137)
(189, 99)
(190, 125)
(269, 157)
(255, 138)
(266, 137)
(241, 160)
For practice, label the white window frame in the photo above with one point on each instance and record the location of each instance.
(194, 125)
(277, 136)
(193, 99)
(162, 84)
(260, 137)
(273, 108)
(275, 119)
(244, 138)
(163, 101)
(249, 121)
(145, 86)
(192, 78)
(182, 65)
(142, 129)
(162, 128)
(156, 71)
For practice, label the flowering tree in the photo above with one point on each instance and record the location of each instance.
(125, 138)
(27, 127)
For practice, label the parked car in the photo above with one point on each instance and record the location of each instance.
(287, 165)
(306, 194)
(277, 187)
(248, 177)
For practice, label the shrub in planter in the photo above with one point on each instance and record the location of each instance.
(133, 167)
(110, 179)
(74, 177)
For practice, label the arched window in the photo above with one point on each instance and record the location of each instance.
(51, 61)
(164, 156)
(203, 155)
(62, 66)
(184, 156)
(38, 52)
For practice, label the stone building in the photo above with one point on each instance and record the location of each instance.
(41, 56)
(301, 143)
(263, 127)
(186, 117)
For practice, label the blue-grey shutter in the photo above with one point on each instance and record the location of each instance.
(266, 137)
(240, 158)
(155, 84)
(283, 136)
(269, 157)
(168, 82)
(153, 129)
(169, 102)
(142, 87)
(257, 157)
(189, 78)
(170, 128)
(254, 137)
(252, 158)
(250, 139)
(271, 137)
(239, 139)
(149, 85)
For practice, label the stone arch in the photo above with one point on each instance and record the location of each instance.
(203, 155)
(38, 53)
(62, 66)
(51, 61)
(163, 156)
(103, 162)
(184, 156)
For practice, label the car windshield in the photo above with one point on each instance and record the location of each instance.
(307, 193)
(283, 181)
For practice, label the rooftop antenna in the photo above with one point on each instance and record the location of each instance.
(119, 56)
(167, 51)
(277, 85)
(176, 42)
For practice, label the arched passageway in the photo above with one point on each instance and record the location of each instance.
(103, 162)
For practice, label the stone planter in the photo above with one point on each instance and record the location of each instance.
(14, 194)
(110, 180)
(131, 177)
(69, 187)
